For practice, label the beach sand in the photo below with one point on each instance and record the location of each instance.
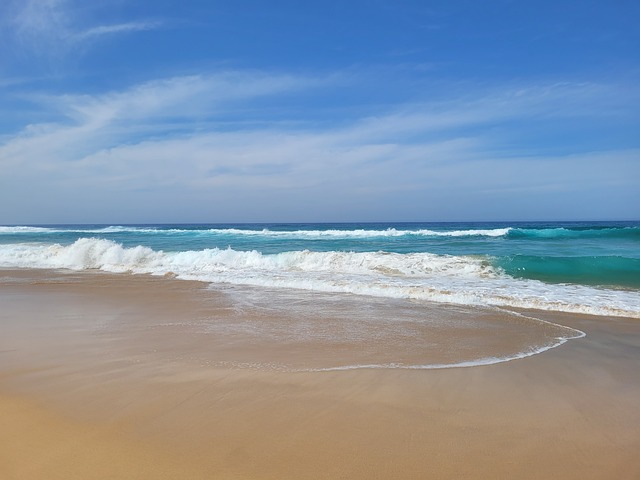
(121, 376)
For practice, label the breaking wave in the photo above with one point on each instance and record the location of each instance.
(265, 232)
(464, 280)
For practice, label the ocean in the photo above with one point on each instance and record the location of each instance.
(579, 267)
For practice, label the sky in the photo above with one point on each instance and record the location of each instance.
(182, 111)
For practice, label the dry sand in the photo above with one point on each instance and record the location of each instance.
(116, 376)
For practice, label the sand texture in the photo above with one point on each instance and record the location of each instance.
(120, 376)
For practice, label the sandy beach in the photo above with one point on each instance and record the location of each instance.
(123, 376)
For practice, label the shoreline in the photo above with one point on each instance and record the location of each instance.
(397, 333)
(569, 412)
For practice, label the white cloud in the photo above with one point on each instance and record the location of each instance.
(93, 123)
(41, 24)
(185, 97)
(117, 28)
(54, 28)
(162, 136)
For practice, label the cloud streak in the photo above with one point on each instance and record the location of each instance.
(116, 28)
(54, 28)
(181, 138)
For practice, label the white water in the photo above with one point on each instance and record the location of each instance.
(361, 233)
(335, 233)
(463, 280)
(571, 334)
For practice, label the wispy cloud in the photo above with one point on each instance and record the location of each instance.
(55, 28)
(184, 102)
(153, 113)
(183, 134)
(117, 28)
(39, 25)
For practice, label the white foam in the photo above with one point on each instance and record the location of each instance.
(572, 334)
(360, 233)
(464, 280)
(439, 366)
(24, 229)
(101, 230)
(311, 234)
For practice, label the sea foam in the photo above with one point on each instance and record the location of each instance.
(265, 232)
(464, 280)
(361, 233)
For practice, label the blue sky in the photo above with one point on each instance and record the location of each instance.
(128, 111)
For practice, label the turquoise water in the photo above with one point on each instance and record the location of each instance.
(588, 267)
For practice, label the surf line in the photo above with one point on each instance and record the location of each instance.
(472, 363)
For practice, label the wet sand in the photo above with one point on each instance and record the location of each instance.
(116, 376)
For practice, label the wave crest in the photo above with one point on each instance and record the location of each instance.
(465, 280)
(265, 232)
(575, 232)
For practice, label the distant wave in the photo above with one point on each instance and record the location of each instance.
(575, 232)
(25, 229)
(301, 233)
(333, 233)
(361, 233)
(465, 280)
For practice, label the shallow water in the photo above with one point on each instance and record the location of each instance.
(137, 318)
